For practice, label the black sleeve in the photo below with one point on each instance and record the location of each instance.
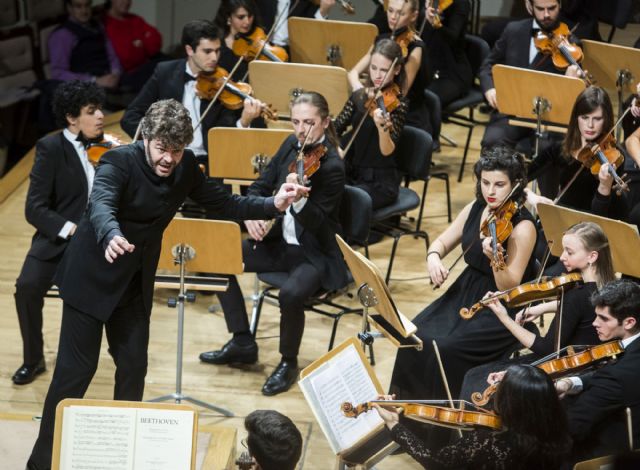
(343, 121)
(456, 20)
(108, 185)
(40, 196)
(611, 206)
(496, 56)
(148, 95)
(398, 118)
(546, 159)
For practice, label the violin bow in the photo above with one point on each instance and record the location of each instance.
(573, 178)
(215, 97)
(276, 24)
(444, 378)
(559, 320)
(376, 90)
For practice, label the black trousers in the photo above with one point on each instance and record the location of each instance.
(35, 279)
(303, 281)
(78, 353)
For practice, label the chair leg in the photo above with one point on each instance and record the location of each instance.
(396, 239)
(255, 314)
(448, 189)
(466, 150)
(452, 142)
(421, 211)
(334, 330)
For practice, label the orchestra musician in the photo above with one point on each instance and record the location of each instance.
(632, 145)
(176, 79)
(591, 119)
(106, 277)
(401, 17)
(463, 343)
(516, 48)
(596, 401)
(59, 188)
(534, 431)
(585, 249)
(302, 243)
(370, 165)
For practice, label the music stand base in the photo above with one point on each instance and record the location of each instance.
(179, 398)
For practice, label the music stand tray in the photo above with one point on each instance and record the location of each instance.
(197, 243)
(338, 43)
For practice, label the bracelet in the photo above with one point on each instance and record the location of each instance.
(432, 252)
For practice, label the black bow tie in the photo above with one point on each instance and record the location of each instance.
(188, 77)
(86, 142)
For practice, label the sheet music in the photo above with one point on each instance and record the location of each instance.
(342, 378)
(97, 438)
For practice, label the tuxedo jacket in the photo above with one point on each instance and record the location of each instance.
(128, 198)
(167, 82)
(318, 221)
(58, 192)
(597, 420)
(513, 49)
(268, 10)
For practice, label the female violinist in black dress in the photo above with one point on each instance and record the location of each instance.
(370, 162)
(464, 344)
(401, 17)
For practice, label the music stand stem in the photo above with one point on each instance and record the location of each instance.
(185, 253)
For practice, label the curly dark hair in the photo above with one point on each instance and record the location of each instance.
(534, 421)
(169, 122)
(70, 97)
(273, 440)
(622, 296)
(507, 160)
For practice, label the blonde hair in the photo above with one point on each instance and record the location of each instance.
(593, 238)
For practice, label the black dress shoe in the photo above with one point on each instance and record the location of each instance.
(27, 374)
(232, 353)
(281, 379)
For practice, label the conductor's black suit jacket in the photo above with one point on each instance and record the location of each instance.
(129, 198)
(58, 193)
(168, 81)
(513, 49)
(597, 420)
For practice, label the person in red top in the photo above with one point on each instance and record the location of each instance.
(136, 43)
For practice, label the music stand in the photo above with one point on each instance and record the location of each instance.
(197, 242)
(337, 43)
(614, 67)
(232, 152)
(529, 94)
(275, 83)
(623, 238)
(373, 292)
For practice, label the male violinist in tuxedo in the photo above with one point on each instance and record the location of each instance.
(281, 10)
(301, 244)
(516, 48)
(176, 79)
(596, 402)
(59, 188)
(106, 276)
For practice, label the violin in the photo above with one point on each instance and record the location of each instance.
(346, 5)
(307, 162)
(255, 45)
(404, 39)
(431, 413)
(95, 150)
(563, 53)
(233, 94)
(244, 461)
(439, 6)
(498, 226)
(386, 100)
(545, 288)
(593, 157)
(562, 366)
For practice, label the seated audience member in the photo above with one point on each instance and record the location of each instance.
(273, 440)
(136, 43)
(597, 418)
(80, 50)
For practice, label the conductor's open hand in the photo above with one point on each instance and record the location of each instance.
(117, 246)
(289, 193)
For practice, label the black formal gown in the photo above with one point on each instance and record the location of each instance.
(463, 344)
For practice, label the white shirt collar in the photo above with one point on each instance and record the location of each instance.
(626, 342)
(71, 137)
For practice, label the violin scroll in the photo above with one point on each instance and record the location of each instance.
(351, 411)
(481, 399)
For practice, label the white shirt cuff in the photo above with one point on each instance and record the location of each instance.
(318, 15)
(576, 385)
(66, 229)
(240, 126)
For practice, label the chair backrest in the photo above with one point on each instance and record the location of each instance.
(16, 65)
(413, 154)
(477, 51)
(355, 215)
